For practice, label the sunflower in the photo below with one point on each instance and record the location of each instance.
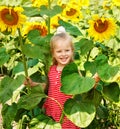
(38, 3)
(101, 28)
(116, 2)
(83, 2)
(11, 18)
(41, 26)
(54, 21)
(72, 12)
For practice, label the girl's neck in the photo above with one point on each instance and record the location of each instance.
(60, 67)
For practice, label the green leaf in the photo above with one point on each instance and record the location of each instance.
(73, 30)
(84, 45)
(42, 121)
(93, 97)
(112, 92)
(8, 114)
(8, 86)
(4, 57)
(105, 71)
(29, 101)
(50, 12)
(33, 51)
(80, 113)
(102, 112)
(90, 66)
(68, 69)
(35, 37)
(31, 11)
(74, 84)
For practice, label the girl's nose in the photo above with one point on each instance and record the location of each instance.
(63, 53)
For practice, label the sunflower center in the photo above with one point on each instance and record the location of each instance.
(71, 12)
(43, 31)
(101, 26)
(9, 18)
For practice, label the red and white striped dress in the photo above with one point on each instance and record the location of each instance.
(52, 108)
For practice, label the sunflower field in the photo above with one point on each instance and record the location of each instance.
(26, 27)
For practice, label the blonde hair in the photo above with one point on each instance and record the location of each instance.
(60, 34)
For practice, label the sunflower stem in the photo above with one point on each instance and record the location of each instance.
(23, 56)
(49, 6)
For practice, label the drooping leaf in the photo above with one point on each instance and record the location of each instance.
(42, 121)
(80, 113)
(8, 114)
(112, 92)
(90, 66)
(8, 86)
(105, 71)
(35, 37)
(92, 96)
(50, 12)
(102, 112)
(73, 30)
(4, 57)
(84, 45)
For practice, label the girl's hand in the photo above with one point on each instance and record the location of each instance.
(97, 79)
(29, 82)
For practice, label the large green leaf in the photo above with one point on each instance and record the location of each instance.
(84, 45)
(8, 86)
(74, 84)
(31, 100)
(4, 57)
(80, 113)
(45, 122)
(112, 92)
(8, 114)
(73, 30)
(33, 51)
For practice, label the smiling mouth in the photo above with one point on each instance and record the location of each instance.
(64, 59)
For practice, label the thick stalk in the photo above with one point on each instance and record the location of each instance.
(23, 56)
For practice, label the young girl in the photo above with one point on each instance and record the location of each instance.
(62, 54)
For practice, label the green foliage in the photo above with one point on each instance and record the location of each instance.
(73, 30)
(84, 112)
(43, 121)
(4, 57)
(8, 86)
(78, 84)
(91, 107)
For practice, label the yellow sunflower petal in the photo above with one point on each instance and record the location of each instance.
(41, 26)
(101, 28)
(11, 18)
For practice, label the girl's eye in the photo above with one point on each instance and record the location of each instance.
(58, 51)
(67, 50)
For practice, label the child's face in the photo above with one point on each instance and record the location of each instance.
(62, 52)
